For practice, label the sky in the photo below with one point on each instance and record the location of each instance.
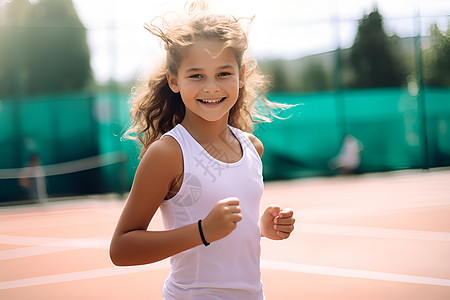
(287, 29)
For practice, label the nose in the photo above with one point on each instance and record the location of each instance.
(211, 86)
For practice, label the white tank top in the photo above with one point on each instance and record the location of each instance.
(228, 268)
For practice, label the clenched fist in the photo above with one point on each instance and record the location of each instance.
(222, 219)
(277, 224)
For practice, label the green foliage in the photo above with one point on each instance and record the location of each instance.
(315, 78)
(312, 73)
(373, 58)
(13, 16)
(276, 70)
(44, 48)
(437, 58)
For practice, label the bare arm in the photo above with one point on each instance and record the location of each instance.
(132, 244)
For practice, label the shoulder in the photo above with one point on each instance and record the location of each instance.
(166, 148)
(256, 143)
(163, 156)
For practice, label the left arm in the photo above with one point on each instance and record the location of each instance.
(276, 223)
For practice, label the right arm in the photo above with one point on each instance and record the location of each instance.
(131, 243)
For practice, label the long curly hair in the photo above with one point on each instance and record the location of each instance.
(155, 109)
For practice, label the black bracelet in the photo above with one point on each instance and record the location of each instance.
(201, 233)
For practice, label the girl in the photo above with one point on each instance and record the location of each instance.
(200, 167)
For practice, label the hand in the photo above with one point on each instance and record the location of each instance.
(277, 224)
(222, 219)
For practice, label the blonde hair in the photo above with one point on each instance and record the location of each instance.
(155, 109)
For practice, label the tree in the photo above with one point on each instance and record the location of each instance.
(437, 58)
(49, 46)
(315, 78)
(13, 17)
(278, 76)
(373, 57)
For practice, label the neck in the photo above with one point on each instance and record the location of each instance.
(205, 131)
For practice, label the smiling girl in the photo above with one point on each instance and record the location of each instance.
(200, 165)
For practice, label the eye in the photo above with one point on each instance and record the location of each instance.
(224, 74)
(196, 76)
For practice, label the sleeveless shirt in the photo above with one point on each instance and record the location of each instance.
(228, 268)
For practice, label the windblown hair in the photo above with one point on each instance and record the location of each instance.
(155, 109)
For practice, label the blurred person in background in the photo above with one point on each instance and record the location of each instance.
(349, 158)
(32, 178)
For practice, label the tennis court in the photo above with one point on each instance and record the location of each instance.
(372, 236)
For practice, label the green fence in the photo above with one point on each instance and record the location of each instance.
(58, 129)
(389, 124)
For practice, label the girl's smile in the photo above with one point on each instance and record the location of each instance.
(208, 79)
(212, 100)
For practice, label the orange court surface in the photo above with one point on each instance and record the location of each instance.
(371, 236)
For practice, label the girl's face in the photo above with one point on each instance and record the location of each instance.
(208, 80)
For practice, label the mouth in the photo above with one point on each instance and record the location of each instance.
(212, 100)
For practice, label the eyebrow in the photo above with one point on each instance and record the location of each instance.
(201, 69)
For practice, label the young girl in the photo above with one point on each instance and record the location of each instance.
(200, 167)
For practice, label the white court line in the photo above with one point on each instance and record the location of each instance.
(48, 245)
(98, 242)
(83, 275)
(26, 240)
(352, 273)
(266, 264)
(338, 211)
(54, 245)
(30, 251)
(373, 232)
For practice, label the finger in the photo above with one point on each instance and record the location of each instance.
(283, 235)
(230, 201)
(284, 228)
(274, 210)
(234, 209)
(286, 213)
(236, 217)
(285, 221)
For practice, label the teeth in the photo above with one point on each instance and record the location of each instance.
(211, 101)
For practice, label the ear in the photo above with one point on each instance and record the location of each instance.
(173, 82)
(242, 77)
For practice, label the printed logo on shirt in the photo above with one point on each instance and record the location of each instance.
(193, 188)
